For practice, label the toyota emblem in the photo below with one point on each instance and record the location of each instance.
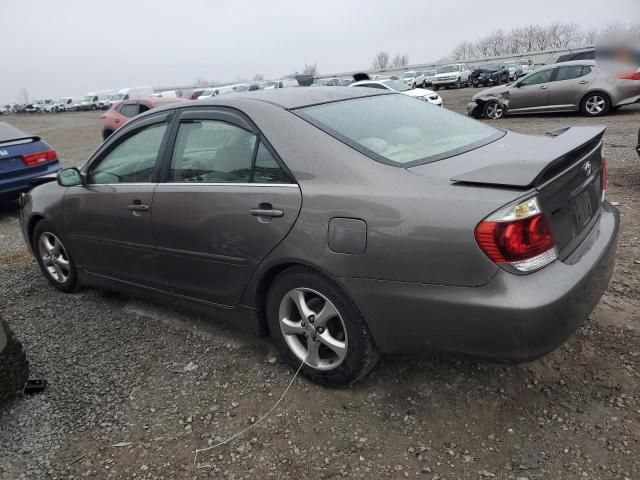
(586, 169)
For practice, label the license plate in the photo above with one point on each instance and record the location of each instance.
(585, 204)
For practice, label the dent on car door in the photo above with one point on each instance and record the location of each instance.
(227, 202)
(532, 92)
(108, 221)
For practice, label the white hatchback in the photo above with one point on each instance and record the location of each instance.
(401, 87)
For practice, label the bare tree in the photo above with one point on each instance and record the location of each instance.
(201, 82)
(23, 96)
(380, 61)
(258, 77)
(400, 60)
(463, 51)
(310, 69)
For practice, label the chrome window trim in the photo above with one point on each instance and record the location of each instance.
(228, 184)
(179, 184)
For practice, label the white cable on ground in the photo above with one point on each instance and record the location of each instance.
(233, 437)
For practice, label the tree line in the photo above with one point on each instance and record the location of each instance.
(531, 38)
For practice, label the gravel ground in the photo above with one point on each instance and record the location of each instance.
(135, 388)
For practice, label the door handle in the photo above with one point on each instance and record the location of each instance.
(583, 82)
(138, 207)
(266, 212)
(543, 87)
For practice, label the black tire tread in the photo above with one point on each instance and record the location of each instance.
(338, 377)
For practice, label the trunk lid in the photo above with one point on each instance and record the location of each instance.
(564, 167)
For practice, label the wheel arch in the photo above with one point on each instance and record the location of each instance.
(256, 293)
(31, 226)
(596, 90)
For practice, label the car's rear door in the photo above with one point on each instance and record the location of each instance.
(108, 220)
(226, 203)
(532, 92)
(570, 84)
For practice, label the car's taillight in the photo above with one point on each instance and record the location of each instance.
(603, 177)
(630, 76)
(33, 159)
(519, 236)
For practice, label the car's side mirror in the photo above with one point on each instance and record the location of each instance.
(70, 177)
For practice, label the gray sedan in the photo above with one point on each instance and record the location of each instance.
(567, 87)
(344, 222)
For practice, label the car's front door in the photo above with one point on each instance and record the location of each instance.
(532, 92)
(226, 203)
(570, 85)
(108, 220)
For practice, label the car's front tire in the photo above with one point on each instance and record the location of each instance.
(53, 258)
(493, 110)
(595, 104)
(310, 318)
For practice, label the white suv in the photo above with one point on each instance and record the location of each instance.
(454, 75)
(413, 79)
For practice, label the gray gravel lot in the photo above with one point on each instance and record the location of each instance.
(135, 388)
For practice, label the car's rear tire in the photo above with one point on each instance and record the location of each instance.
(493, 110)
(595, 104)
(436, 88)
(310, 318)
(53, 258)
(14, 367)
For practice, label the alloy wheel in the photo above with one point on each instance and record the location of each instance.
(595, 104)
(494, 110)
(313, 328)
(54, 257)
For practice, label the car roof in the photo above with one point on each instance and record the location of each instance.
(572, 62)
(291, 98)
(9, 133)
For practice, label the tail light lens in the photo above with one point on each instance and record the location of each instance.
(33, 159)
(603, 177)
(630, 76)
(518, 236)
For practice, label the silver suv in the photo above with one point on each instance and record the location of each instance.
(454, 75)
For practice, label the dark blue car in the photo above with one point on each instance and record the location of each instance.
(23, 159)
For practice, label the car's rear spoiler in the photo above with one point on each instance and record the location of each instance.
(9, 133)
(530, 168)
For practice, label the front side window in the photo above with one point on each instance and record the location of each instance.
(132, 160)
(211, 151)
(570, 72)
(543, 76)
(399, 130)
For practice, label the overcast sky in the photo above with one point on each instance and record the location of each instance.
(69, 47)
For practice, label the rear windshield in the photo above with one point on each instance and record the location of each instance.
(399, 130)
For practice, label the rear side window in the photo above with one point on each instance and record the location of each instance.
(399, 130)
(570, 72)
(211, 151)
(267, 169)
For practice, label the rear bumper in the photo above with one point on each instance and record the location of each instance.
(12, 187)
(512, 317)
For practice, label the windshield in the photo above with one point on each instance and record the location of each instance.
(396, 85)
(430, 73)
(87, 98)
(491, 66)
(511, 64)
(117, 96)
(408, 75)
(523, 62)
(448, 69)
(399, 130)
